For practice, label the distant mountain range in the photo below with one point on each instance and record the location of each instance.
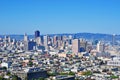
(90, 36)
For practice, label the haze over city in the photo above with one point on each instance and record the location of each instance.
(59, 16)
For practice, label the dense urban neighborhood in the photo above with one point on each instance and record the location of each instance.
(59, 58)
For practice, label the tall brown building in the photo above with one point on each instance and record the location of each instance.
(75, 46)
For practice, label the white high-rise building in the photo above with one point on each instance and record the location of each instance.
(113, 39)
(45, 41)
(25, 42)
(38, 40)
(100, 47)
(25, 37)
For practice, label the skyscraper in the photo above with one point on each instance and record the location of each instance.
(29, 45)
(25, 42)
(46, 41)
(113, 39)
(25, 37)
(100, 47)
(55, 38)
(38, 41)
(75, 46)
(37, 34)
(83, 44)
(70, 39)
(37, 37)
(42, 40)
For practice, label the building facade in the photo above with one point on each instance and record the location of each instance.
(75, 46)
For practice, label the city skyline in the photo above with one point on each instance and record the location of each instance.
(59, 40)
(54, 17)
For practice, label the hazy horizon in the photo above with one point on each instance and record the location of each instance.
(61, 33)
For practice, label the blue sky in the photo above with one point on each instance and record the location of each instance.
(59, 16)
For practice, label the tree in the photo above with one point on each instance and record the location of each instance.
(4, 68)
(71, 73)
(26, 78)
(63, 73)
(51, 74)
(87, 73)
(14, 77)
(41, 78)
(30, 63)
(8, 73)
(114, 77)
(1, 77)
